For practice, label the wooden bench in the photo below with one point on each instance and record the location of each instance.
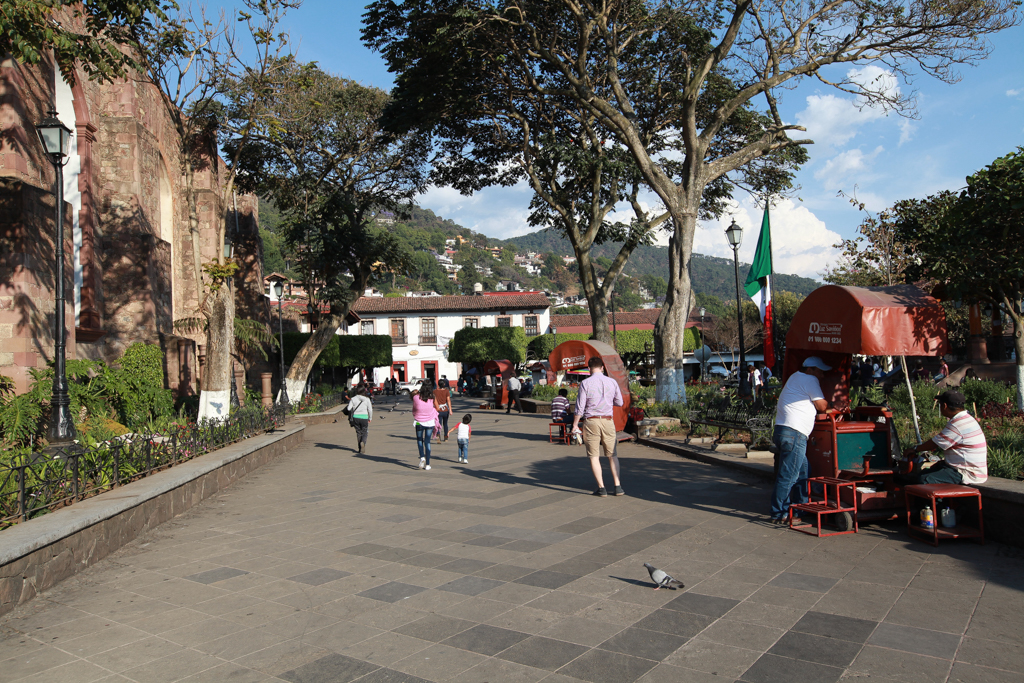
(725, 414)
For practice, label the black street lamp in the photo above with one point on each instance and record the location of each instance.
(704, 361)
(56, 139)
(278, 287)
(734, 234)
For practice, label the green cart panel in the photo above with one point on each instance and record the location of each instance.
(853, 446)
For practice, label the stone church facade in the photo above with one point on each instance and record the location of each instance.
(128, 248)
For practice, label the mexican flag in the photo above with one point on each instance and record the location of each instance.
(758, 286)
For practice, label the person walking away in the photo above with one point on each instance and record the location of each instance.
(462, 438)
(443, 405)
(799, 403)
(963, 445)
(424, 416)
(360, 409)
(560, 410)
(513, 385)
(598, 395)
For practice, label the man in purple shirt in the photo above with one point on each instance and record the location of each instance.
(595, 403)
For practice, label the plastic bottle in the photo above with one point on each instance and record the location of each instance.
(927, 519)
(948, 518)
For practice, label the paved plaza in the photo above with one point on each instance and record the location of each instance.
(332, 566)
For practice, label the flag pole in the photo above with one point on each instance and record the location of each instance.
(771, 289)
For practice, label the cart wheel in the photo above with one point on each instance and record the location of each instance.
(843, 521)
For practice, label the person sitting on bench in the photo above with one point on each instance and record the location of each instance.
(560, 410)
(963, 446)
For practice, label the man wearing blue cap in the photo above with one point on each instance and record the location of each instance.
(800, 401)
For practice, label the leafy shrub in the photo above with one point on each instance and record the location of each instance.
(982, 392)
(669, 409)
(136, 390)
(671, 429)
(546, 392)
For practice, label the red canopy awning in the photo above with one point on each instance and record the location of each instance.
(573, 356)
(876, 321)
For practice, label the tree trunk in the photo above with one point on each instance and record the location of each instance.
(300, 368)
(1018, 346)
(596, 302)
(670, 330)
(215, 399)
(193, 223)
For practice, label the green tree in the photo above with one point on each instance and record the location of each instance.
(972, 245)
(479, 345)
(655, 284)
(628, 301)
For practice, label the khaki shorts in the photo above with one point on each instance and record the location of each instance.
(598, 432)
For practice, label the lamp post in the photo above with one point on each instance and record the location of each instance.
(278, 287)
(734, 234)
(56, 139)
(704, 361)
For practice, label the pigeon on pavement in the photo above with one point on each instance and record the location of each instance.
(662, 579)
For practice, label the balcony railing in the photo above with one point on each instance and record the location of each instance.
(399, 341)
(428, 339)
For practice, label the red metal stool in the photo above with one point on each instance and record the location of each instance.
(933, 493)
(827, 505)
(563, 437)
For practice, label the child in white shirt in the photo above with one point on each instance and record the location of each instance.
(463, 437)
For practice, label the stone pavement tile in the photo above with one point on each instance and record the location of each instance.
(584, 525)
(349, 607)
(286, 656)
(880, 574)
(546, 579)
(467, 566)
(391, 676)
(101, 639)
(470, 585)
(438, 662)
(61, 632)
(786, 597)
(602, 666)
(332, 667)
(40, 614)
(543, 653)
(902, 667)
(617, 612)
(225, 604)
(339, 636)
(385, 648)
(861, 600)
(229, 672)
(181, 592)
(477, 609)
(240, 644)
(434, 627)
(78, 671)
(485, 639)
(215, 575)
(743, 574)
(707, 605)
(818, 649)
(581, 630)
(526, 619)
(714, 658)
(201, 632)
(836, 626)
(919, 641)
(172, 668)
(517, 593)
(725, 588)
(666, 673)
(575, 567)
(392, 592)
(319, 577)
(728, 631)
(500, 670)
(644, 595)
(917, 607)
(168, 621)
(260, 613)
(31, 658)
(676, 623)
(433, 600)
(357, 583)
(993, 654)
(773, 669)
(969, 673)
(594, 586)
(641, 643)
(562, 602)
(804, 582)
(308, 597)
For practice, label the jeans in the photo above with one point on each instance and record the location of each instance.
(423, 435)
(464, 449)
(442, 421)
(791, 479)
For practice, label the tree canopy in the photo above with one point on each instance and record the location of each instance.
(479, 345)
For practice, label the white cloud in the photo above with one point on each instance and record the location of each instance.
(907, 130)
(846, 169)
(500, 212)
(1014, 93)
(832, 121)
(802, 243)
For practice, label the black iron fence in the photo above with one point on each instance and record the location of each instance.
(318, 403)
(41, 482)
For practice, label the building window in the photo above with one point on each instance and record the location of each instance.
(471, 322)
(428, 331)
(530, 323)
(367, 327)
(505, 321)
(398, 331)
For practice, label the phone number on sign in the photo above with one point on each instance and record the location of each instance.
(825, 340)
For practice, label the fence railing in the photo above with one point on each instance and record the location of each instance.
(318, 403)
(41, 482)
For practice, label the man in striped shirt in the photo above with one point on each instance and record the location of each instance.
(963, 446)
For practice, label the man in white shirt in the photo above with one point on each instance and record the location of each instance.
(514, 385)
(799, 403)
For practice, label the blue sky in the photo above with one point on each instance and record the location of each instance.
(959, 129)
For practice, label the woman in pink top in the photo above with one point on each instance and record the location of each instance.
(424, 415)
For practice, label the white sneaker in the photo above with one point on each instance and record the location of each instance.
(427, 467)
(423, 463)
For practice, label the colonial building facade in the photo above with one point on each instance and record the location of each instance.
(128, 247)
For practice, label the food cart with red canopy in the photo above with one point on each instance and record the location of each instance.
(503, 369)
(834, 323)
(574, 355)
